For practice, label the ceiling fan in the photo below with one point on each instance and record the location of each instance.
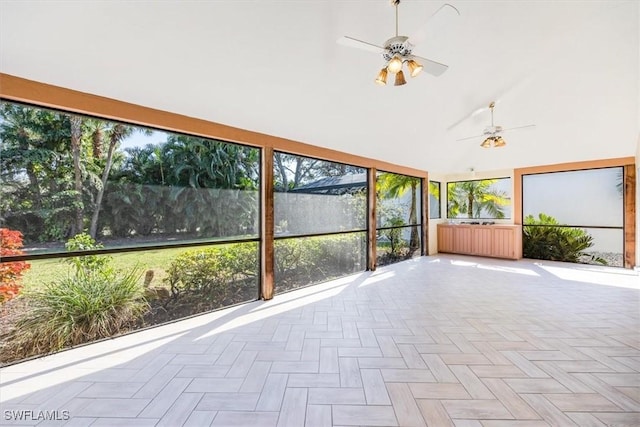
(398, 50)
(493, 133)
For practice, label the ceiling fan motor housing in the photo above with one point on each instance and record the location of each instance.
(397, 45)
(492, 130)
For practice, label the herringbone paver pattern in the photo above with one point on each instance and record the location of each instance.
(435, 341)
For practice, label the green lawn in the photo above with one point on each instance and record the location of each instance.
(48, 270)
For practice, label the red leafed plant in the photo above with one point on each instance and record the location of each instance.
(10, 272)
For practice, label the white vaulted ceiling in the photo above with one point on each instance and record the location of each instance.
(570, 67)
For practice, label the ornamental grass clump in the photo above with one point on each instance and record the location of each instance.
(94, 301)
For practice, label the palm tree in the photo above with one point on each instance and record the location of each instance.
(474, 197)
(392, 185)
(115, 133)
(434, 196)
(434, 189)
(76, 143)
(213, 184)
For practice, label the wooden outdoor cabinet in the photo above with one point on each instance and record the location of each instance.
(498, 240)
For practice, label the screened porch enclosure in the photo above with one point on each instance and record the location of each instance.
(143, 226)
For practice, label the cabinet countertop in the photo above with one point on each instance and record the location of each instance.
(481, 225)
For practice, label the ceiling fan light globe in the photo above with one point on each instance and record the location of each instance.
(395, 65)
(415, 68)
(499, 142)
(382, 77)
(486, 143)
(400, 79)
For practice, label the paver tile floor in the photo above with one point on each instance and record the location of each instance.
(435, 341)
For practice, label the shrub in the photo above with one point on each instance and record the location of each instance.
(213, 277)
(205, 279)
(88, 263)
(544, 238)
(302, 261)
(11, 272)
(294, 259)
(397, 244)
(80, 308)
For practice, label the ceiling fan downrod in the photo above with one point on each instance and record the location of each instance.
(395, 3)
(493, 104)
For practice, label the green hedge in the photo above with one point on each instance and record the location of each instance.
(306, 260)
(227, 274)
(214, 277)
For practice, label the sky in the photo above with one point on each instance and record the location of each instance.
(139, 139)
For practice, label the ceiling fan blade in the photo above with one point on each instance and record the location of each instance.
(443, 14)
(468, 116)
(359, 44)
(510, 91)
(518, 127)
(470, 137)
(432, 67)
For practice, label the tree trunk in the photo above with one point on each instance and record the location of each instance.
(283, 171)
(297, 177)
(34, 186)
(470, 206)
(113, 141)
(414, 241)
(96, 142)
(76, 135)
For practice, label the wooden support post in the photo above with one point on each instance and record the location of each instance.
(371, 219)
(266, 225)
(630, 207)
